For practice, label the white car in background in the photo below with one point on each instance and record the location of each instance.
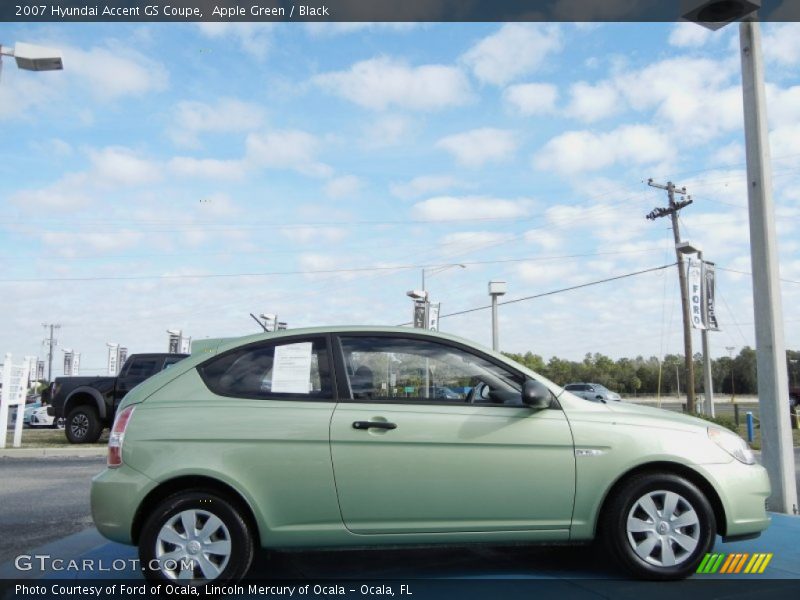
(39, 419)
(592, 391)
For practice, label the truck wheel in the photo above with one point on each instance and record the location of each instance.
(83, 425)
(659, 526)
(195, 537)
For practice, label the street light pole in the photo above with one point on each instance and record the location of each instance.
(773, 393)
(773, 384)
(496, 288)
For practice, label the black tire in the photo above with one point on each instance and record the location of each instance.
(200, 507)
(83, 426)
(654, 562)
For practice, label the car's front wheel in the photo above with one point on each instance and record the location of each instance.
(659, 526)
(196, 537)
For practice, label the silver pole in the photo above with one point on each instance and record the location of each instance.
(495, 333)
(708, 382)
(773, 385)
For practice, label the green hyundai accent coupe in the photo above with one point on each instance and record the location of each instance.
(343, 436)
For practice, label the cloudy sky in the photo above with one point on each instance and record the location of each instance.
(183, 176)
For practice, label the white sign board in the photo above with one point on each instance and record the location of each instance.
(15, 389)
(291, 369)
(695, 281)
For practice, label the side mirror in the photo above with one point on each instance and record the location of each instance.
(535, 394)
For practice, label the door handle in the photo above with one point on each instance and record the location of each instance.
(373, 424)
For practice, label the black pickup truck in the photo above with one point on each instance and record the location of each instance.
(88, 404)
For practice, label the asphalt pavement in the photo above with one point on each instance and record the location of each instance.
(46, 512)
(43, 500)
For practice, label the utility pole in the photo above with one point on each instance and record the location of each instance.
(672, 210)
(50, 341)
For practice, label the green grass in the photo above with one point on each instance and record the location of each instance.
(51, 438)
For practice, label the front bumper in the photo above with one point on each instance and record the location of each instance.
(115, 497)
(743, 490)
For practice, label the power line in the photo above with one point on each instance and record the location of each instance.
(310, 271)
(553, 292)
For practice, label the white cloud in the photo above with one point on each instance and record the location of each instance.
(455, 244)
(121, 166)
(253, 38)
(383, 82)
(589, 103)
(729, 154)
(343, 187)
(70, 244)
(689, 35)
(781, 44)
(517, 49)
(479, 146)
(443, 208)
(286, 149)
(207, 168)
(785, 141)
(115, 72)
(67, 194)
(21, 95)
(226, 115)
(581, 151)
(424, 184)
(540, 272)
(532, 98)
(386, 131)
(306, 235)
(546, 240)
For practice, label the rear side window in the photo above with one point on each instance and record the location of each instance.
(292, 369)
(141, 368)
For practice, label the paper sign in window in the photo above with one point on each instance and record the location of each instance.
(291, 371)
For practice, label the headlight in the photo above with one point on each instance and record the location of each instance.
(732, 444)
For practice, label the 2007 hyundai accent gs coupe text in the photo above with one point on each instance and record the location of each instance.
(336, 437)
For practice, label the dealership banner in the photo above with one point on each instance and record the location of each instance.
(68, 356)
(113, 358)
(433, 316)
(174, 341)
(709, 281)
(419, 313)
(694, 280)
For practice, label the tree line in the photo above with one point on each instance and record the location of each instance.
(640, 376)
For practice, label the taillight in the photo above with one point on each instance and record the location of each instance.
(117, 436)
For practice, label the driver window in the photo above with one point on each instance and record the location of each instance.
(394, 369)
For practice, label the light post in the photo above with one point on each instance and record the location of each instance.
(33, 58)
(773, 384)
(496, 289)
(730, 350)
(708, 384)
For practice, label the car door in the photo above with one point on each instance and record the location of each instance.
(406, 461)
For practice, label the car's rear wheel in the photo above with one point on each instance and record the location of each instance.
(659, 526)
(83, 426)
(196, 537)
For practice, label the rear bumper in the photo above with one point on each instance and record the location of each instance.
(115, 498)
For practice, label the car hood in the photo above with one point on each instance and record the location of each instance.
(637, 412)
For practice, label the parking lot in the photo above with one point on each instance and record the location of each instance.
(47, 513)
